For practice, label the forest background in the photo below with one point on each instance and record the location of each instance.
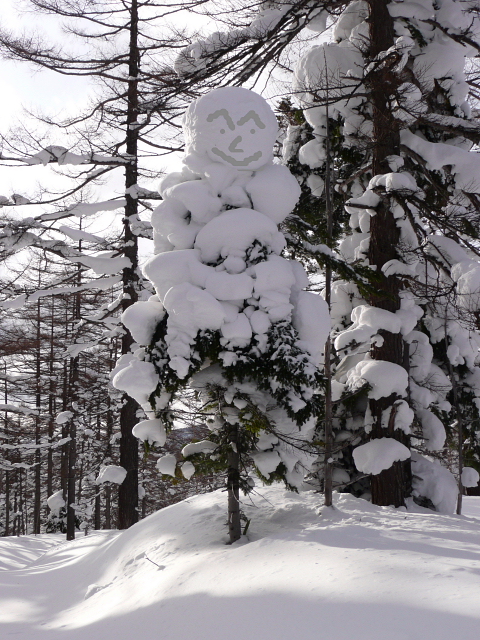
(62, 421)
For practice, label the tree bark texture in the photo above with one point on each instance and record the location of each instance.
(73, 393)
(392, 485)
(328, 462)
(233, 488)
(128, 490)
(38, 399)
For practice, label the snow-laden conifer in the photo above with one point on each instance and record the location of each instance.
(392, 90)
(230, 319)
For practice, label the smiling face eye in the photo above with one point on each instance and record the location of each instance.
(252, 130)
(222, 130)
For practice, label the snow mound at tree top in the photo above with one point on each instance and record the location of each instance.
(359, 571)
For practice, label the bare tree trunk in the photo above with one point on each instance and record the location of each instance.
(80, 473)
(72, 452)
(24, 504)
(128, 490)
(460, 463)
(65, 426)
(15, 517)
(108, 508)
(51, 404)
(328, 461)
(97, 514)
(108, 455)
(72, 448)
(7, 503)
(7, 472)
(37, 491)
(460, 437)
(97, 521)
(233, 487)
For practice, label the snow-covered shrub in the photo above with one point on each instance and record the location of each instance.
(57, 518)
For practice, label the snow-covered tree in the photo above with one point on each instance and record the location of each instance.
(56, 372)
(230, 319)
(386, 105)
(119, 46)
(394, 80)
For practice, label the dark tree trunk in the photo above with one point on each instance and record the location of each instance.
(38, 479)
(15, 517)
(97, 514)
(23, 505)
(328, 461)
(128, 490)
(72, 445)
(51, 404)
(233, 487)
(7, 503)
(65, 426)
(72, 454)
(391, 486)
(108, 453)
(7, 457)
(80, 473)
(108, 508)
(460, 436)
(97, 522)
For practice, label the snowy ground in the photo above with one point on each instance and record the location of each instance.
(357, 573)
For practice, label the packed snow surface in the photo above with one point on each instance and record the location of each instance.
(358, 571)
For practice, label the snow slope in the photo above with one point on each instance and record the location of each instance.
(358, 572)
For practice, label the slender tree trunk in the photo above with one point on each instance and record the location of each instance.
(460, 464)
(37, 490)
(328, 461)
(233, 487)
(65, 426)
(7, 472)
(128, 490)
(7, 503)
(15, 517)
(108, 508)
(24, 505)
(97, 521)
(72, 448)
(80, 473)
(460, 437)
(97, 517)
(108, 453)
(72, 452)
(51, 404)
(391, 486)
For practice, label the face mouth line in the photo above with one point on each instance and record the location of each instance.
(234, 161)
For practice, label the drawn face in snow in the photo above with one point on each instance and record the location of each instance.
(233, 126)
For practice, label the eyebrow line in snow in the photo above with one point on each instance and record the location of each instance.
(225, 114)
(251, 115)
